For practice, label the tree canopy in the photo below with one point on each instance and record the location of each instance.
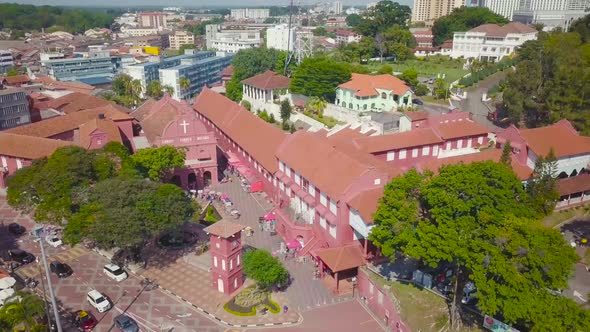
(383, 15)
(156, 163)
(550, 82)
(248, 63)
(478, 218)
(266, 270)
(319, 77)
(463, 19)
(23, 313)
(29, 17)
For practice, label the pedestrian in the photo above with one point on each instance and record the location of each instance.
(285, 309)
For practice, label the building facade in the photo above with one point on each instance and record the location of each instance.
(179, 38)
(429, 10)
(377, 93)
(6, 61)
(14, 108)
(231, 41)
(140, 31)
(156, 20)
(551, 13)
(344, 36)
(249, 13)
(491, 42)
(280, 37)
(98, 64)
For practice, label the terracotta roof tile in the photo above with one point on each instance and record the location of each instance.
(268, 80)
(458, 129)
(52, 84)
(417, 115)
(224, 229)
(366, 85)
(108, 127)
(259, 138)
(17, 79)
(561, 136)
(407, 139)
(494, 30)
(28, 147)
(342, 258)
(228, 71)
(573, 185)
(57, 125)
(76, 101)
(366, 203)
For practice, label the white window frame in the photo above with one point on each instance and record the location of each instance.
(223, 264)
(414, 152)
(238, 260)
(297, 179)
(215, 261)
(390, 155)
(311, 189)
(426, 150)
(323, 199)
(402, 154)
(231, 264)
(288, 171)
(333, 207)
(459, 144)
(448, 146)
(332, 230)
(480, 140)
(323, 222)
(4, 162)
(435, 151)
(281, 166)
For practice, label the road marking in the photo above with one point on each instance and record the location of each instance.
(579, 296)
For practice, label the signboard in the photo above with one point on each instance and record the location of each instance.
(496, 326)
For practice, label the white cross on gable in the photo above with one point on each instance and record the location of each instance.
(184, 124)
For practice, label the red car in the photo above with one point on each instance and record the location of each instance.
(85, 320)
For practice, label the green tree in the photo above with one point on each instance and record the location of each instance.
(316, 105)
(154, 89)
(184, 47)
(542, 188)
(383, 15)
(320, 31)
(441, 88)
(168, 89)
(421, 90)
(353, 20)
(410, 76)
(248, 63)
(266, 270)
(184, 83)
(23, 311)
(319, 77)
(582, 27)
(157, 163)
(476, 218)
(285, 110)
(506, 157)
(463, 19)
(385, 69)
(247, 105)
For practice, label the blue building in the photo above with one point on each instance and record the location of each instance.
(98, 68)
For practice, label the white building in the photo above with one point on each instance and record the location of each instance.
(6, 61)
(153, 20)
(344, 36)
(280, 37)
(502, 7)
(429, 10)
(179, 38)
(127, 19)
(491, 42)
(551, 13)
(336, 7)
(139, 32)
(231, 41)
(253, 13)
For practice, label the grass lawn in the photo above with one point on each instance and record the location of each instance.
(429, 67)
(421, 310)
(556, 218)
(327, 120)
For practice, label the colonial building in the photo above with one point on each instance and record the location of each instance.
(381, 93)
(174, 123)
(264, 87)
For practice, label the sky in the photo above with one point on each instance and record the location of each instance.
(187, 3)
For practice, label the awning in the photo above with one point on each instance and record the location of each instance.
(270, 216)
(342, 258)
(293, 244)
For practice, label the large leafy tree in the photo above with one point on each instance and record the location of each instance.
(157, 163)
(383, 15)
(463, 19)
(478, 219)
(542, 188)
(319, 77)
(265, 269)
(24, 310)
(549, 83)
(248, 63)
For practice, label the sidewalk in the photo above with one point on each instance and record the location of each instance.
(195, 286)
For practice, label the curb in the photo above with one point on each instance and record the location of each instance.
(210, 315)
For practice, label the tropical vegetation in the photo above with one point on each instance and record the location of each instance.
(463, 19)
(265, 269)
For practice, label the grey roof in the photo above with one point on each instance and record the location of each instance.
(384, 117)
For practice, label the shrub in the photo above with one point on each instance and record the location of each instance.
(275, 308)
(237, 313)
(251, 296)
(210, 215)
(271, 119)
(247, 105)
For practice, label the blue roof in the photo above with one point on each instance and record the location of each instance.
(96, 80)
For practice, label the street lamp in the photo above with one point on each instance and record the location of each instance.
(38, 232)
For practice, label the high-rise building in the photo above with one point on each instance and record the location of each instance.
(551, 13)
(280, 37)
(504, 7)
(6, 61)
(429, 10)
(152, 20)
(336, 8)
(249, 13)
(14, 108)
(98, 66)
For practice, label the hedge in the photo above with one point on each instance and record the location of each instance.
(277, 308)
(237, 313)
(480, 75)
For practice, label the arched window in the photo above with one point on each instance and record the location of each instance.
(343, 104)
(350, 105)
(365, 106)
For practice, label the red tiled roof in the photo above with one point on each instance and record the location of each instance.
(52, 84)
(269, 80)
(458, 129)
(108, 127)
(28, 147)
(560, 136)
(228, 71)
(495, 30)
(75, 102)
(367, 85)
(17, 79)
(447, 44)
(224, 229)
(259, 138)
(408, 139)
(366, 203)
(573, 185)
(417, 115)
(342, 258)
(344, 32)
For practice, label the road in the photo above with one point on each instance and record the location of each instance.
(473, 102)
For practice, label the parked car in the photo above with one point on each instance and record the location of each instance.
(98, 301)
(53, 241)
(85, 320)
(21, 256)
(115, 272)
(62, 270)
(417, 101)
(126, 324)
(16, 229)
(469, 292)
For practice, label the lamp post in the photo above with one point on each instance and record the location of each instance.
(38, 231)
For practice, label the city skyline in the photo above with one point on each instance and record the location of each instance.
(188, 3)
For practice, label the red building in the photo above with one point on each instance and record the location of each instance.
(226, 251)
(171, 122)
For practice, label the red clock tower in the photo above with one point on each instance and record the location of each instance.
(225, 242)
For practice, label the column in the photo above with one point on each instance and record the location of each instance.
(244, 90)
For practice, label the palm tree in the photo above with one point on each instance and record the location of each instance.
(23, 311)
(316, 105)
(136, 89)
(184, 83)
(154, 89)
(168, 89)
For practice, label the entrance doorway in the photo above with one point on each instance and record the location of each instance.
(220, 285)
(207, 178)
(192, 181)
(176, 180)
